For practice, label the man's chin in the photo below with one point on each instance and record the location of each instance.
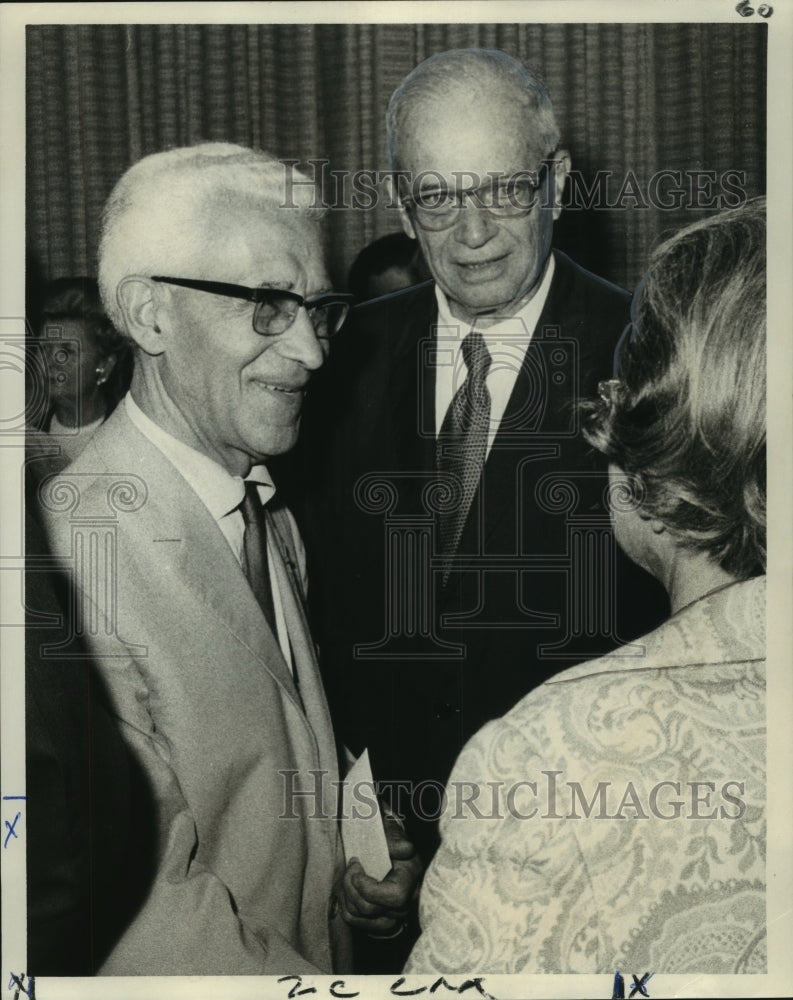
(274, 446)
(483, 307)
(489, 301)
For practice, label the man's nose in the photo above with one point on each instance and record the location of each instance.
(475, 225)
(300, 343)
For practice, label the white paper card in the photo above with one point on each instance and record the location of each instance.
(362, 830)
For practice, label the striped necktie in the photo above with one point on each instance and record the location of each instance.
(462, 442)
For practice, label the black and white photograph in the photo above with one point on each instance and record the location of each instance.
(396, 429)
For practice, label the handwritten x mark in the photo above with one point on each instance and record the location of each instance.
(11, 829)
(19, 983)
(639, 985)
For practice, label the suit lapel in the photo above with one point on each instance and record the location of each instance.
(176, 524)
(523, 420)
(411, 418)
(311, 690)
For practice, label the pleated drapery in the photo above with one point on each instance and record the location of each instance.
(629, 98)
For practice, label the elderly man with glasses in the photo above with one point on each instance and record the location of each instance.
(479, 557)
(190, 573)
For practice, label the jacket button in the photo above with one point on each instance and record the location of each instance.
(333, 909)
(444, 710)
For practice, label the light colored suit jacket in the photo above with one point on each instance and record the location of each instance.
(640, 842)
(245, 869)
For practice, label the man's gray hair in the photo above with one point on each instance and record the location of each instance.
(472, 71)
(153, 222)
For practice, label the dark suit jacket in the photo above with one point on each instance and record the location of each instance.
(415, 669)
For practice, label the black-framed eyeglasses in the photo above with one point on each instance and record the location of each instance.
(277, 308)
(439, 207)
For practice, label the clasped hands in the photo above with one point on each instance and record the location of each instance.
(381, 908)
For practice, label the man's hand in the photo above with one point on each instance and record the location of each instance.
(381, 908)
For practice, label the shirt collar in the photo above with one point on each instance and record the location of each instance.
(220, 492)
(529, 313)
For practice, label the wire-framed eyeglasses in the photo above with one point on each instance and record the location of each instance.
(277, 308)
(439, 207)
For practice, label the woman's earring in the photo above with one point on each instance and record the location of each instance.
(101, 376)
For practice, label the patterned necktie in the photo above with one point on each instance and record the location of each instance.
(462, 442)
(254, 547)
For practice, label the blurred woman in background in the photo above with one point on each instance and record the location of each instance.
(80, 370)
(615, 818)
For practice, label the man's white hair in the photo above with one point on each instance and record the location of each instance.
(472, 73)
(154, 221)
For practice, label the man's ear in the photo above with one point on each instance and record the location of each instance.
(561, 168)
(393, 196)
(135, 297)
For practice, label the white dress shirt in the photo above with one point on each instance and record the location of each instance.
(507, 341)
(221, 493)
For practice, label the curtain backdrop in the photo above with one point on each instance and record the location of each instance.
(638, 98)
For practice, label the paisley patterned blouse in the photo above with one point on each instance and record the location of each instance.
(615, 818)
